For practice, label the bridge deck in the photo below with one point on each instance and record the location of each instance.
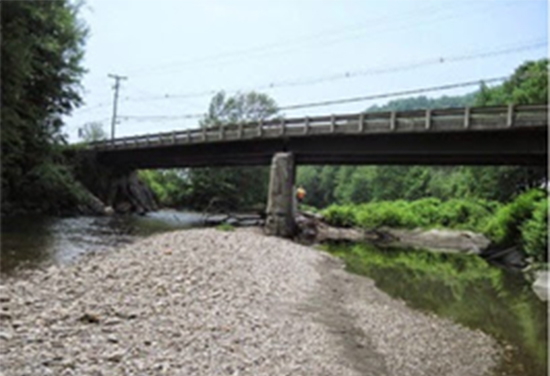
(477, 135)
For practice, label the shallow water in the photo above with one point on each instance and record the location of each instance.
(467, 290)
(35, 241)
(463, 288)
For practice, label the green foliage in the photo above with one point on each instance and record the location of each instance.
(356, 185)
(92, 132)
(504, 227)
(232, 188)
(252, 106)
(464, 214)
(228, 188)
(425, 213)
(307, 208)
(169, 186)
(528, 85)
(225, 227)
(42, 49)
(55, 187)
(463, 288)
(426, 210)
(524, 221)
(220, 188)
(422, 102)
(386, 213)
(340, 215)
(534, 232)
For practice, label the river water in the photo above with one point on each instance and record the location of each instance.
(33, 241)
(463, 288)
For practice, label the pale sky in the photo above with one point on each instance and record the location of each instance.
(176, 53)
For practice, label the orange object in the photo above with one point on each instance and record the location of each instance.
(300, 193)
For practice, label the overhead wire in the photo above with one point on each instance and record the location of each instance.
(503, 50)
(331, 39)
(343, 100)
(392, 94)
(281, 44)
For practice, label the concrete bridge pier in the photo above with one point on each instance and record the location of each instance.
(281, 204)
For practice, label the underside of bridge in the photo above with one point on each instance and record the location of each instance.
(525, 146)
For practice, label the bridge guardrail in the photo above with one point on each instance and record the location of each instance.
(451, 119)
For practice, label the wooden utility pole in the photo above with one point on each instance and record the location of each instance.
(115, 101)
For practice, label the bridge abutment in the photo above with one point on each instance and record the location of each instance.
(281, 204)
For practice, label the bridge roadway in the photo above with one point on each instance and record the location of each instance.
(506, 135)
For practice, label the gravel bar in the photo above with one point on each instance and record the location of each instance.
(208, 302)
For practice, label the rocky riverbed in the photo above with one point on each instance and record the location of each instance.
(208, 302)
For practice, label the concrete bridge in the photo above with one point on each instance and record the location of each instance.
(505, 135)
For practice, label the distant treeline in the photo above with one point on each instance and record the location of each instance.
(246, 188)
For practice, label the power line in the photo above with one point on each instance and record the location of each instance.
(330, 39)
(339, 101)
(392, 94)
(401, 93)
(94, 107)
(160, 117)
(283, 43)
(504, 50)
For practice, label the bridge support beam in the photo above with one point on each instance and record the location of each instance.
(281, 205)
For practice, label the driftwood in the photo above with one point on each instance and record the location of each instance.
(311, 228)
(238, 220)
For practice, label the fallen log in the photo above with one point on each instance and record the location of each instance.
(313, 229)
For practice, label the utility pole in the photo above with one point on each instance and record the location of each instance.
(115, 101)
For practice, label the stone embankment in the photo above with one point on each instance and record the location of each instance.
(206, 302)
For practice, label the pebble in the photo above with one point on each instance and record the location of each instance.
(219, 302)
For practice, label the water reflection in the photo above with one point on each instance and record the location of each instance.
(35, 241)
(465, 289)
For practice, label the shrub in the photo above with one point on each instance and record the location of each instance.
(534, 233)
(340, 215)
(504, 227)
(51, 188)
(464, 214)
(426, 211)
(386, 213)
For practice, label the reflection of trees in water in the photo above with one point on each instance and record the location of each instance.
(26, 242)
(465, 289)
(33, 241)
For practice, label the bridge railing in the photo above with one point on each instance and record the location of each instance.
(434, 120)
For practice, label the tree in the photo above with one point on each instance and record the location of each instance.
(423, 102)
(232, 188)
(528, 85)
(251, 106)
(42, 49)
(92, 132)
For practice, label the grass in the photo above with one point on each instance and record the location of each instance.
(225, 227)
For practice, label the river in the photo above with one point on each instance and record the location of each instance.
(37, 241)
(463, 288)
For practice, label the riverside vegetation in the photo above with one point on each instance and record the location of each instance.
(523, 221)
(43, 45)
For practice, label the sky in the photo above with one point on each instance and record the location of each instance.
(176, 54)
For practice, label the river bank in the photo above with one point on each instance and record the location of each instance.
(214, 302)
